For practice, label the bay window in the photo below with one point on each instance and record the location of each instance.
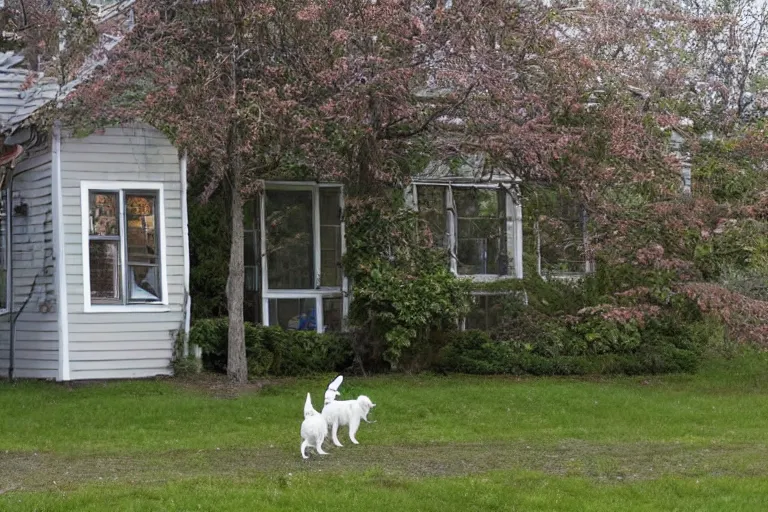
(122, 245)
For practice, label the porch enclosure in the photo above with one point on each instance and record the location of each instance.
(294, 243)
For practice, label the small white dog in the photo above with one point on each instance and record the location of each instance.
(339, 413)
(314, 428)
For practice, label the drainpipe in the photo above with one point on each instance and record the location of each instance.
(9, 276)
(185, 244)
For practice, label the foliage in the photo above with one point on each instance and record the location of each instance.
(623, 318)
(273, 351)
(403, 289)
(183, 365)
(595, 345)
(209, 245)
(474, 352)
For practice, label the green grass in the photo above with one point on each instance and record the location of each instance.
(683, 442)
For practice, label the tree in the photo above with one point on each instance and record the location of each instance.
(254, 90)
(366, 91)
(54, 36)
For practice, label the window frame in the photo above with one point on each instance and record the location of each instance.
(318, 293)
(511, 210)
(122, 188)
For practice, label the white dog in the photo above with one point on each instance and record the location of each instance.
(314, 428)
(347, 412)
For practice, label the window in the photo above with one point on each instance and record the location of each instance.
(486, 312)
(123, 243)
(5, 239)
(480, 238)
(556, 232)
(472, 223)
(294, 242)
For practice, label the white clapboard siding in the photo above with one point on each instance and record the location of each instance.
(37, 340)
(122, 344)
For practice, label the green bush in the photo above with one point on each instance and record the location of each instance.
(403, 289)
(474, 352)
(272, 350)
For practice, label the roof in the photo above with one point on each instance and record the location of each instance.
(24, 92)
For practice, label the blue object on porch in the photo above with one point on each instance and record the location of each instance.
(308, 322)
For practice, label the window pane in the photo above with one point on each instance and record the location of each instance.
(104, 208)
(104, 257)
(481, 242)
(250, 214)
(486, 312)
(144, 283)
(330, 238)
(140, 211)
(553, 229)
(433, 212)
(293, 314)
(290, 248)
(332, 314)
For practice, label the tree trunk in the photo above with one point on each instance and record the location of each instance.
(237, 364)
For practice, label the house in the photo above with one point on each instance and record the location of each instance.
(94, 256)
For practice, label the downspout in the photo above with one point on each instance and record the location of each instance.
(60, 270)
(9, 277)
(185, 245)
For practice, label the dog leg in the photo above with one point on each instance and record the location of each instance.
(304, 445)
(334, 434)
(354, 424)
(319, 447)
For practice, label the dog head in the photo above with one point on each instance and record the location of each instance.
(365, 404)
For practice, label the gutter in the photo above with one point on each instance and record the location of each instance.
(9, 278)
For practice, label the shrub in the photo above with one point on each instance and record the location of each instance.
(474, 352)
(403, 289)
(273, 351)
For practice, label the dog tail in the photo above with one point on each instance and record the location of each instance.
(308, 409)
(333, 390)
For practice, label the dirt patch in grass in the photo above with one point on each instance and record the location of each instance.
(219, 386)
(621, 462)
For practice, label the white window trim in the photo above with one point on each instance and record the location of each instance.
(318, 293)
(119, 186)
(8, 252)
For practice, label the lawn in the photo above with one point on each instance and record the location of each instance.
(677, 442)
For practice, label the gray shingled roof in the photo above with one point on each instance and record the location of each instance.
(24, 92)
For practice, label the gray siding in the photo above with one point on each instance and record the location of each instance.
(37, 343)
(130, 344)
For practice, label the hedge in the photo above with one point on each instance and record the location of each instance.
(272, 350)
(662, 347)
(474, 352)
